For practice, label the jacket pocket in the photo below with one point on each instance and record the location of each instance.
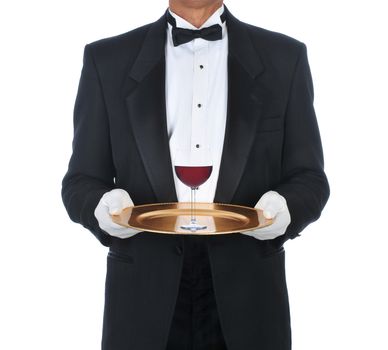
(121, 257)
(271, 253)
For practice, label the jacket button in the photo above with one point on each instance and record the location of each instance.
(178, 249)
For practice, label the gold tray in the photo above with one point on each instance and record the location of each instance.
(167, 218)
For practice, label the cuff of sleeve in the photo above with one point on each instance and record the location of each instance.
(88, 218)
(293, 204)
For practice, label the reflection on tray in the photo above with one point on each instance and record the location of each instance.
(202, 220)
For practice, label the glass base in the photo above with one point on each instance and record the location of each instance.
(193, 227)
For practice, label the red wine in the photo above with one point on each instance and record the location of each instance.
(193, 176)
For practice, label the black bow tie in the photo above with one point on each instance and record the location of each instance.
(184, 35)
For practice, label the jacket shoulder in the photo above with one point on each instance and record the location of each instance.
(272, 37)
(275, 43)
(111, 47)
(120, 38)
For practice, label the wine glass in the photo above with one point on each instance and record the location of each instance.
(193, 168)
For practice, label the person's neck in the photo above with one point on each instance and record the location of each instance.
(196, 15)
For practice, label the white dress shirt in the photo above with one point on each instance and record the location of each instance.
(196, 99)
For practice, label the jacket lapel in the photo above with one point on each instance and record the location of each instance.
(245, 99)
(147, 110)
(146, 106)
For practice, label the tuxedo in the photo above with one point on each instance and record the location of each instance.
(272, 142)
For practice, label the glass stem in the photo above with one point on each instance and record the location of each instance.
(193, 220)
(191, 204)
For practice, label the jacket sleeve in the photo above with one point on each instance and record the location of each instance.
(90, 170)
(304, 183)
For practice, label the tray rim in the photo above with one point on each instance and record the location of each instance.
(269, 221)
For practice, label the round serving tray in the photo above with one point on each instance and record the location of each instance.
(167, 217)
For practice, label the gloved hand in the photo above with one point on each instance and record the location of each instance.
(113, 202)
(274, 206)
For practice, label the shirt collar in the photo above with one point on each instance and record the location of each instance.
(213, 19)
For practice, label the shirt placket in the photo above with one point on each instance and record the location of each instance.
(200, 85)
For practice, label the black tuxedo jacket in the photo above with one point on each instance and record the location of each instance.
(272, 142)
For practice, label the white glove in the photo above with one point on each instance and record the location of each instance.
(274, 206)
(113, 202)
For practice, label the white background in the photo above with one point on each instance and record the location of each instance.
(53, 270)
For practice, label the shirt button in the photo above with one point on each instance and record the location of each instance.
(197, 145)
(201, 66)
(199, 105)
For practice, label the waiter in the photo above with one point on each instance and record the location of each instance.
(196, 77)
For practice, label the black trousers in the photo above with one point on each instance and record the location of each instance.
(195, 324)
